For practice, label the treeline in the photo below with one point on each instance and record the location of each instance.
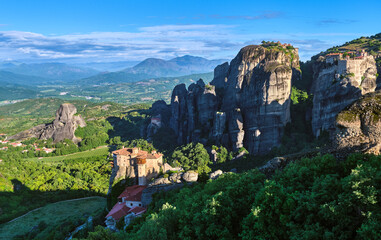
(313, 198)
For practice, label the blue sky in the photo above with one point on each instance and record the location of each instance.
(100, 30)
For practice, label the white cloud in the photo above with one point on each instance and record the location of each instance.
(164, 41)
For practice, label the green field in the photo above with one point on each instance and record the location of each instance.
(103, 150)
(53, 214)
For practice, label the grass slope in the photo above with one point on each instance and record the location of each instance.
(53, 214)
(75, 156)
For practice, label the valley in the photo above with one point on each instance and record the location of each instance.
(264, 147)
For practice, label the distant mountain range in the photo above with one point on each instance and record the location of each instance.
(154, 67)
(54, 71)
(108, 66)
(11, 78)
(175, 67)
(60, 73)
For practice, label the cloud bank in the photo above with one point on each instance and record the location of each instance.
(164, 41)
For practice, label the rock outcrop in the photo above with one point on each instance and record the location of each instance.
(190, 176)
(216, 174)
(193, 111)
(358, 127)
(338, 82)
(63, 126)
(246, 105)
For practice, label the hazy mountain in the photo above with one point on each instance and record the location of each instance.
(154, 67)
(175, 67)
(108, 66)
(56, 71)
(7, 77)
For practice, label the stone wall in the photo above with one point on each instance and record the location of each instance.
(149, 191)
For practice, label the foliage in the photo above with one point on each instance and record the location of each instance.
(312, 198)
(94, 134)
(222, 154)
(298, 96)
(40, 182)
(191, 156)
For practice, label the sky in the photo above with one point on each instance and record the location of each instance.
(114, 30)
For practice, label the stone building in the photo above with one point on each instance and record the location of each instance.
(137, 164)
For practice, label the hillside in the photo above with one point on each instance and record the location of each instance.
(14, 92)
(148, 90)
(7, 77)
(55, 71)
(26, 114)
(65, 214)
(144, 91)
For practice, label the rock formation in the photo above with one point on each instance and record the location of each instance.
(193, 111)
(161, 113)
(358, 127)
(246, 105)
(63, 126)
(338, 82)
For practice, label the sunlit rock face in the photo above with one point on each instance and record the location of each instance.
(246, 105)
(257, 96)
(63, 127)
(338, 82)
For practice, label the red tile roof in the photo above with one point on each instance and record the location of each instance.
(128, 152)
(154, 155)
(118, 211)
(334, 54)
(138, 210)
(133, 193)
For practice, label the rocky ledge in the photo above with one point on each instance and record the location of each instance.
(358, 127)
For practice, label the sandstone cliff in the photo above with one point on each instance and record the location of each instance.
(358, 127)
(63, 126)
(338, 82)
(247, 103)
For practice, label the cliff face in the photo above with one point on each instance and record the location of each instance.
(192, 111)
(358, 127)
(338, 82)
(63, 126)
(247, 105)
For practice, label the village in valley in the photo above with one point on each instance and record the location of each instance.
(24, 147)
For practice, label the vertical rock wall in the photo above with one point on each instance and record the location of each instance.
(337, 85)
(250, 107)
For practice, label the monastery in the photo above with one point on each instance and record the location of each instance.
(141, 166)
